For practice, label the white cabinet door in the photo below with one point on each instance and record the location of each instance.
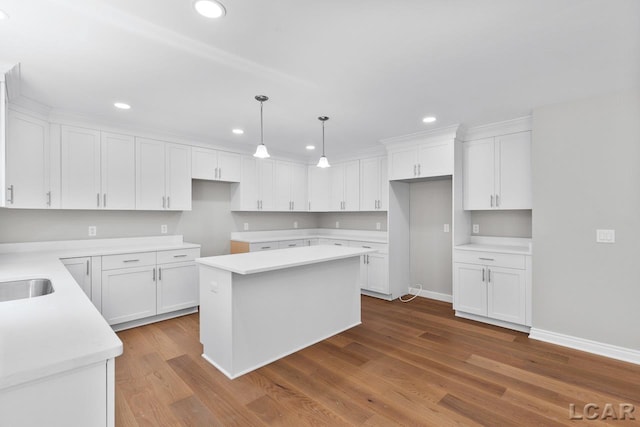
(435, 159)
(178, 177)
(80, 168)
(352, 186)
(478, 174)
(336, 194)
(470, 289)
(128, 294)
(403, 164)
(229, 166)
(319, 184)
(266, 171)
(27, 162)
(150, 170)
(384, 185)
(299, 187)
(506, 294)
(80, 269)
(204, 163)
(118, 171)
(177, 286)
(282, 187)
(378, 277)
(370, 183)
(513, 176)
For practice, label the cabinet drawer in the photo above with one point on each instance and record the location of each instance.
(284, 244)
(264, 246)
(178, 255)
(136, 259)
(336, 242)
(491, 259)
(383, 248)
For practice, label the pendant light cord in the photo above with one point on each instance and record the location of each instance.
(261, 126)
(323, 138)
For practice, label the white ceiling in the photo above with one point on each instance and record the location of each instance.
(374, 67)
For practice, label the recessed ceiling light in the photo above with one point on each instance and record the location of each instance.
(209, 8)
(429, 119)
(122, 105)
(310, 147)
(238, 131)
(3, 15)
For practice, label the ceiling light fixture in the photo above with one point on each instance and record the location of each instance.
(3, 15)
(429, 119)
(310, 147)
(261, 150)
(238, 131)
(122, 105)
(323, 162)
(209, 8)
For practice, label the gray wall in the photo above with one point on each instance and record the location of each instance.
(353, 220)
(262, 221)
(503, 223)
(586, 175)
(430, 209)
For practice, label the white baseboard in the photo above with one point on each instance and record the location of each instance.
(595, 347)
(431, 295)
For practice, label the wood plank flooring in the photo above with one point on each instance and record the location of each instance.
(407, 364)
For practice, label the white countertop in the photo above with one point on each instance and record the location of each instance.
(505, 245)
(309, 233)
(258, 262)
(61, 331)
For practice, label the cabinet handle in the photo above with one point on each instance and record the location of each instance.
(219, 173)
(364, 259)
(497, 200)
(87, 267)
(265, 247)
(48, 198)
(367, 259)
(260, 204)
(168, 202)
(366, 247)
(159, 273)
(486, 259)
(292, 245)
(163, 202)
(293, 205)
(154, 274)
(419, 169)
(483, 274)
(98, 199)
(415, 168)
(131, 260)
(180, 256)
(491, 200)
(488, 275)
(338, 244)
(104, 200)
(10, 200)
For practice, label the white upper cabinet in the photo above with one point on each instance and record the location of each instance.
(80, 168)
(497, 172)
(421, 161)
(374, 184)
(118, 171)
(27, 162)
(256, 191)
(345, 186)
(319, 184)
(215, 165)
(163, 175)
(290, 186)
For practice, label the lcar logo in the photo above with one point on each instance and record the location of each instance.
(609, 411)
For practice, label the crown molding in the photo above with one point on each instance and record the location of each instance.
(444, 134)
(520, 124)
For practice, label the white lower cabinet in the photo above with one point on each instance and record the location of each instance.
(493, 287)
(374, 268)
(128, 294)
(177, 286)
(80, 269)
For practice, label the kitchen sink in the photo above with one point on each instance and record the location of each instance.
(28, 288)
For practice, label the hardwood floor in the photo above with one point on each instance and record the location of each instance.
(407, 364)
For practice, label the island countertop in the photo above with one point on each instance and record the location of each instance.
(258, 262)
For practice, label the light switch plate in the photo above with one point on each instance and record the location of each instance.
(93, 230)
(163, 229)
(605, 236)
(246, 226)
(476, 228)
(295, 224)
(337, 224)
(377, 226)
(446, 228)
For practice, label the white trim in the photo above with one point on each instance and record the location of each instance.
(608, 350)
(431, 294)
(496, 322)
(153, 319)
(441, 134)
(521, 124)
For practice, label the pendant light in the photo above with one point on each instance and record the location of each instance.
(261, 151)
(323, 162)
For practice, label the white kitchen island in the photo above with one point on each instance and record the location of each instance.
(257, 307)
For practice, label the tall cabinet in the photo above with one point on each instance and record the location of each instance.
(374, 184)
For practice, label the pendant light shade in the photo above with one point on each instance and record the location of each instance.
(261, 150)
(323, 162)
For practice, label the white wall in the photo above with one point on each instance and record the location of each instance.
(586, 175)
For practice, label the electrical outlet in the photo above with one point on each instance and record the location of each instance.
(605, 236)
(446, 228)
(337, 224)
(377, 226)
(163, 229)
(246, 226)
(476, 228)
(93, 230)
(295, 224)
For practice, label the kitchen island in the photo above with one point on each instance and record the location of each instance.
(258, 307)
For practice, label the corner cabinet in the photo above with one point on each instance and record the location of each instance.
(163, 175)
(497, 172)
(493, 287)
(256, 190)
